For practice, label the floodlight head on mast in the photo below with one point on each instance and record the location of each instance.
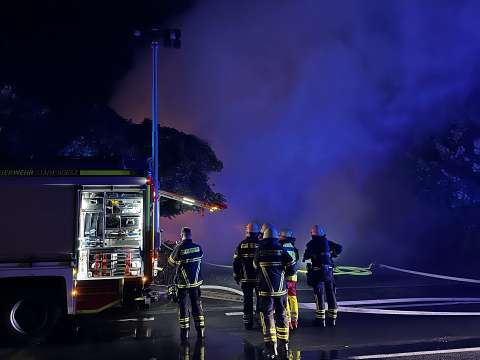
(171, 37)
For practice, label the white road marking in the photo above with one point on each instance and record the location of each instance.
(224, 288)
(416, 353)
(346, 306)
(137, 319)
(361, 310)
(402, 300)
(236, 313)
(429, 304)
(219, 265)
(403, 312)
(437, 276)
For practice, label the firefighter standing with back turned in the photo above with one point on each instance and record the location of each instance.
(244, 272)
(273, 264)
(320, 274)
(188, 255)
(288, 241)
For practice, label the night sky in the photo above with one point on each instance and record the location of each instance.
(67, 52)
(309, 104)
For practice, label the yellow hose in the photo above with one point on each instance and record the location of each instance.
(348, 270)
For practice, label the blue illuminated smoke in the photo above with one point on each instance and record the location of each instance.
(307, 103)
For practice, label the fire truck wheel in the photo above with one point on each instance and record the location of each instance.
(30, 319)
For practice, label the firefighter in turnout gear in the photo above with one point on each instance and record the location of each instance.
(288, 241)
(320, 274)
(244, 273)
(274, 264)
(187, 255)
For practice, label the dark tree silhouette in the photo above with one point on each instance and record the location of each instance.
(32, 136)
(448, 166)
(447, 169)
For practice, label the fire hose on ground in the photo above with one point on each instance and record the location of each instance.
(337, 271)
(353, 306)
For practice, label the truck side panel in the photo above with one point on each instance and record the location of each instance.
(37, 221)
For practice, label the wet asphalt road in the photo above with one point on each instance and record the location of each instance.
(153, 334)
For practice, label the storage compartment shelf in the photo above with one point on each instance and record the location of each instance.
(110, 234)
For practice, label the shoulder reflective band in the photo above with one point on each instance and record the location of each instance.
(190, 250)
(249, 246)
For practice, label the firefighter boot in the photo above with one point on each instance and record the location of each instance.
(270, 351)
(332, 317)
(184, 334)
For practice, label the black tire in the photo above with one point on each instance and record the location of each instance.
(30, 319)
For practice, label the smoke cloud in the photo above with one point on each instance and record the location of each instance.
(308, 103)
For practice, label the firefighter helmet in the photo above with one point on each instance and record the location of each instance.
(286, 233)
(186, 233)
(270, 232)
(252, 228)
(317, 231)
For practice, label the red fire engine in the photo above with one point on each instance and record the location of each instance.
(73, 242)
